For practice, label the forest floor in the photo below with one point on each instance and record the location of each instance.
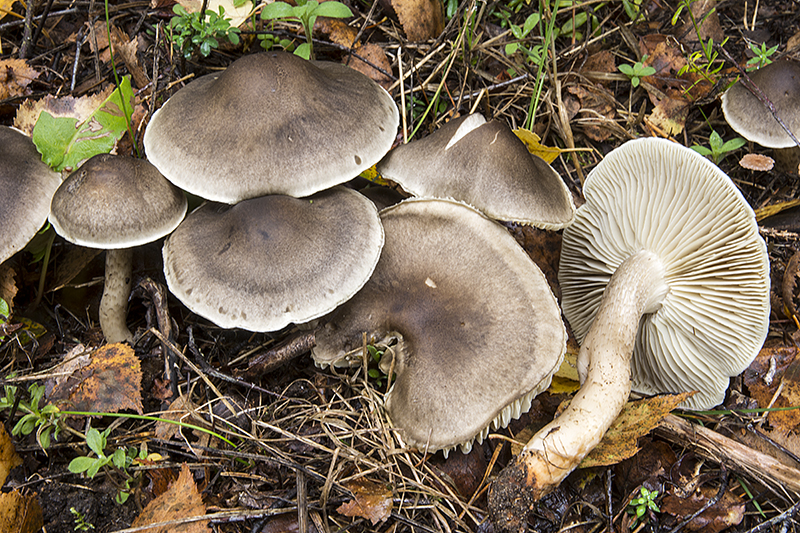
(313, 448)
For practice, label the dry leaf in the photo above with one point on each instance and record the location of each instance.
(65, 106)
(71, 263)
(343, 35)
(8, 287)
(776, 365)
(596, 108)
(111, 382)
(15, 76)
(532, 141)
(5, 7)
(420, 19)
(8, 456)
(178, 410)
(636, 420)
(181, 500)
(757, 162)
(372, 501)
(20, 513)
(727, 512)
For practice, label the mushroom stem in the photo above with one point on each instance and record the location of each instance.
(604, 362)
(117, 288)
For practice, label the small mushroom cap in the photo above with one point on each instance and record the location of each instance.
(271, 123)
(115, 201)
(485, 165)
(27, 186)
(780, 83)
(652, 194)
(270, 261)
(479, 330)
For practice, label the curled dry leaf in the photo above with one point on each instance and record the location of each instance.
(776, 366)
(420, 19)
(15, 76)
(727, 512)
(20, 513)
(181, 501)
(372, 501)
(757, 162)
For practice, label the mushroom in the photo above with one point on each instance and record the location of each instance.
(780, 83)
(478, 330)
(27, 185)
(115, 203)
(485, 165)
(271, 123)
(270, 261)
(665, 279)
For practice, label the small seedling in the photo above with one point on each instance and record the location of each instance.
(637, 71)
(80, 521)
(306, 11)
(761, 55)
(520, 32)
(191, 32)
(718, 149)
(646, 503)
(42, 419)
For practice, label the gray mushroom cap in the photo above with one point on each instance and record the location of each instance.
(485, 165)
(270, 261)
(114, 202)
(27, 186)
(780, 83)
(271, 123)
(655, 195)
(479, 331)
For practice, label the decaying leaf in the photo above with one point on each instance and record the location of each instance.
(776, 366)
(533, 142)
(123, 47)
(596, 113)
(110, 382)
(758, 162)
(20, 513)
(727, 512)
(8, 456)
(371, 501)
(636, 420)
(8, 287)
(343, 35)
(181, 500)
(15, 75)
(420, 19)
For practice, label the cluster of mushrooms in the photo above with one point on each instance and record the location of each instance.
(664, 277)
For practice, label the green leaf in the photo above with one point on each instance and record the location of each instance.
(635, 81)
(119, 458)
(96, 466)
(626, 69)
(277, 10)
(733, 144)
(81, 464)
(702, 150)
(64, 143)
(304, 51)
(530, 23)
(511, 48)
(95, 441)
(333, 9)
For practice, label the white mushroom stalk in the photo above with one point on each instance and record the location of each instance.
(116, 291)
(665, 280)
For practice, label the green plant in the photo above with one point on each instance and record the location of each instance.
(705, 61)
(268, 41)
(375, 372)
(717, 148)
(306, 11)
(80, 521)
(520, 32)
(643, 504)
(637, 71)
(632, 8)
(191, 32)
(42, 419)
(761, 55)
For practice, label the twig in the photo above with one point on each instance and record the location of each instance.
(273, 358)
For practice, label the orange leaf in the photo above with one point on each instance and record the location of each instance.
(421, 19)
(372, 501)
(181, 500)
(8, 455)
(20, 513)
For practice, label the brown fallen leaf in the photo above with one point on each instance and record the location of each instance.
(727, 512)
(636, 420)
(596, 110)
(15, 76)
(776, 366)
(8, 287)
(64, 106)
(343, 35)
(110, 382)
(8, 455)
(20, 513)
(420, 19)
(181, 500)
(372, 501)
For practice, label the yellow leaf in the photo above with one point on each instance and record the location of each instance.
(372, 174)
(532, 141)
(5, 7)
(774, 209)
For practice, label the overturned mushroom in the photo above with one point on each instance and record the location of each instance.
(485, 165)
(271, 261)
(666, 280)
(478, 330)
(115, 203)
(27, 186)
(271, 123)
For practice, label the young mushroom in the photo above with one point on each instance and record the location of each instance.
(665, 279)
(486, 166)
(27, 186)
(116, 203)
(478, 332)
(267, 262)
(271, 123)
